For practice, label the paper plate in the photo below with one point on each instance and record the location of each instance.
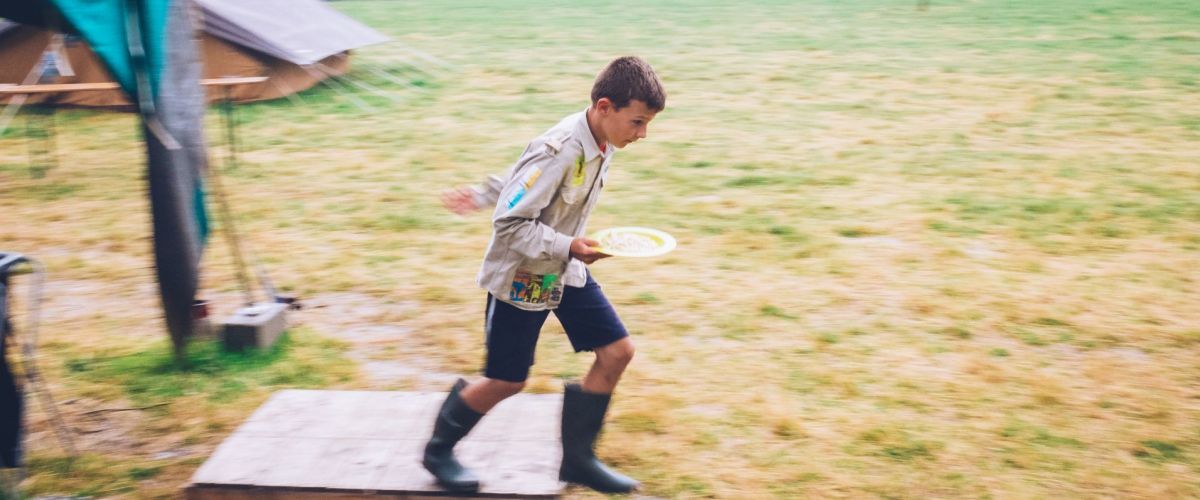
(633, 242)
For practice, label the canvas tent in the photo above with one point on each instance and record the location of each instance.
(295, 43)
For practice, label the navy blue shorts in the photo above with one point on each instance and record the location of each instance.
(585, 313)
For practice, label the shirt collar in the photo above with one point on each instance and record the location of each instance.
(590, 149)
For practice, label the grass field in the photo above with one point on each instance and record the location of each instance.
(951, 252)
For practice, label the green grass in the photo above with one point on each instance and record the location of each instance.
(922, 253)
(153, 376)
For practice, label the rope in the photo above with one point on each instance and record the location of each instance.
(339, 88)
(223, 202)
(332, 73)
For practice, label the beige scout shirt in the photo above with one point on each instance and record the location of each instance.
(540, 208)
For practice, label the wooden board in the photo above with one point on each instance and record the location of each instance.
(50, 88)
(364, 444)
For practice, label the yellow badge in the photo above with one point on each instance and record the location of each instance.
(532, 177)
(580, 172)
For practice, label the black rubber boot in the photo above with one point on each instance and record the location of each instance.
(582, 419)
(454, 421)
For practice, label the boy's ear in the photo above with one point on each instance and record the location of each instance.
(605, 104)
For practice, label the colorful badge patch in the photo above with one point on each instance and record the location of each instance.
(530, 178)
(580, 172)
(534, 288)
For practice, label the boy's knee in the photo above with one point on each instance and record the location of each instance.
(619, 353)
(497, 389)
(508, 388)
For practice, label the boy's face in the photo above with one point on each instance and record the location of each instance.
(625, 126)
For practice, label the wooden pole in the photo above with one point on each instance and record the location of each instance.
(49, 88)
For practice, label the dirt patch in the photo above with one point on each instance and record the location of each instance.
(377, 341)
(93, 426)
(66, 300)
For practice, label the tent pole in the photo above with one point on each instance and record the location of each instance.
(14, 105)
(40, 137)
(230, 136)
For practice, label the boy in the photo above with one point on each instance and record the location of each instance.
(536, 263)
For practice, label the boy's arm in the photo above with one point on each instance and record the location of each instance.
(468, 199)
(529, 191)
(486, 194)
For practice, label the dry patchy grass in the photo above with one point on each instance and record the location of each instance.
(943, 253)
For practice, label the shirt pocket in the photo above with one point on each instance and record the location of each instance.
(533, 288)
(578, 180)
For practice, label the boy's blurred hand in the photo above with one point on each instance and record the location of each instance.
(460, 201)
(581, 248)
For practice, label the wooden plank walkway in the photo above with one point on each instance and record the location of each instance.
(304, 444)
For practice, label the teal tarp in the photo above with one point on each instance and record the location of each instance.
(103, 23)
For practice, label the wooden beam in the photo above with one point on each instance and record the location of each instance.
(234, 80)
(55, 87)
(77, 87)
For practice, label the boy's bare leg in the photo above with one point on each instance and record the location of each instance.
(610, 363)
(484, 394)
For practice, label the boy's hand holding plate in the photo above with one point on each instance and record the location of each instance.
(584, 249)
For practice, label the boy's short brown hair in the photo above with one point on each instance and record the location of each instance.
(628, 78)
